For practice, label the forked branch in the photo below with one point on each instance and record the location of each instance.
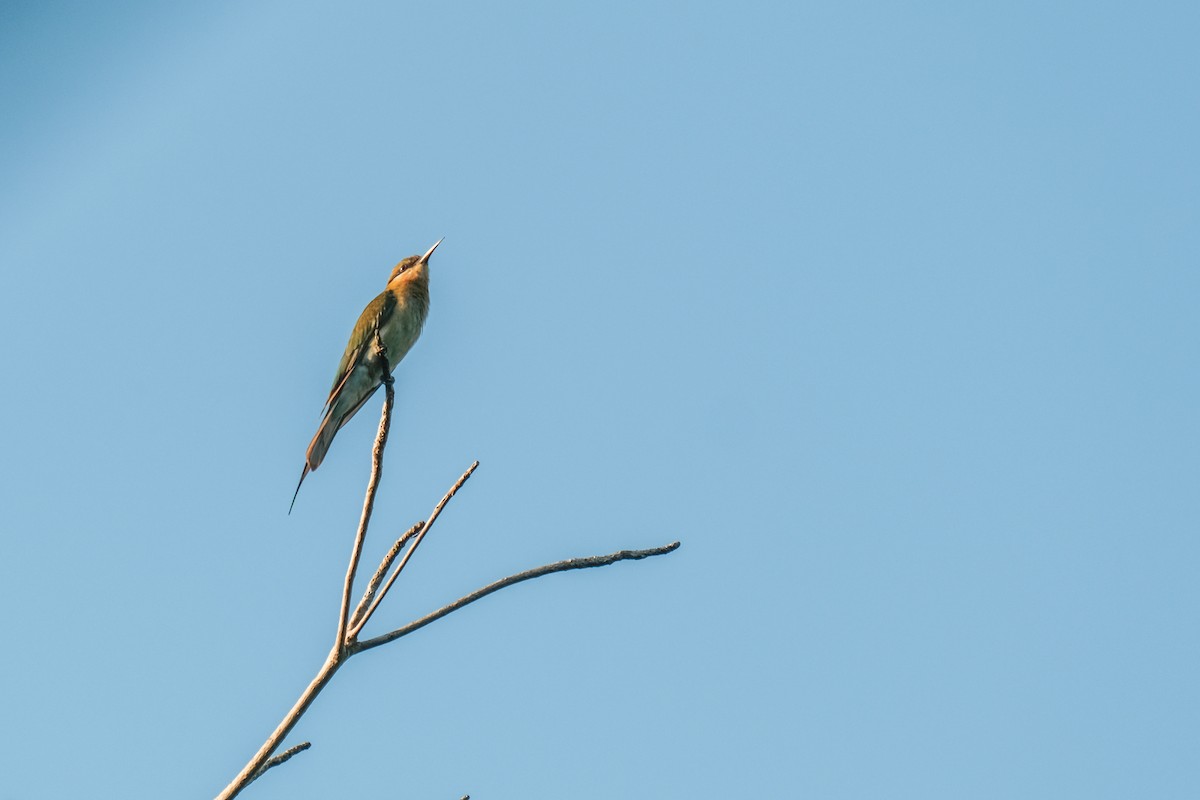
(412, 548)
(346, 642)
(377, 578)
(283, 757)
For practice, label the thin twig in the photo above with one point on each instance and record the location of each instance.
(560, 566)
(281, 758)
(385, 421)
(412, 548)
(377, 578)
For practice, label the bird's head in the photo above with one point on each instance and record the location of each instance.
(413, 267)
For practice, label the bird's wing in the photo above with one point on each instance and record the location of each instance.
(369, 321)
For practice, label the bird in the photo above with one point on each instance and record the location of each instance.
(386, 330)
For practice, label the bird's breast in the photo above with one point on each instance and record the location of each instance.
(400, 330)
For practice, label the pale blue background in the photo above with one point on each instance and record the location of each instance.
(889, 313)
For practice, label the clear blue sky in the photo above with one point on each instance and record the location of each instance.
(888, 313)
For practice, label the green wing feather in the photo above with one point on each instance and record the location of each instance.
(369, 321)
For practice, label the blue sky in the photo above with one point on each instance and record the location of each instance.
(888, 313)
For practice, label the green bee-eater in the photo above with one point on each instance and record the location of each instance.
(387, 328)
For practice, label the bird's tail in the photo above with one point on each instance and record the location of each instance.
(303, 475)
(319, 445)
(316, 452)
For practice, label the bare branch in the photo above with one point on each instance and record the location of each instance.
(349, 626)
(279, 759)
(253, 768)
(338, 654)
(559, 566)
(377, 578)
(412, 548)
(385, 421)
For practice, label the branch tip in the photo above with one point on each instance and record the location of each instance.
(281, 758)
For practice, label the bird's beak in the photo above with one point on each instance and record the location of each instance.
(429, 252)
